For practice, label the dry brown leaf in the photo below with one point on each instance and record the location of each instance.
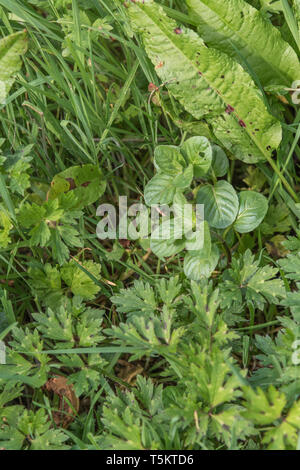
(68, 401)
(128, 371)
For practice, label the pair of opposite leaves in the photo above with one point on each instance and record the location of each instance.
(223, 206)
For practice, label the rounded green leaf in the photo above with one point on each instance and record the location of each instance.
(199, 241)
(221, 204)
(165, 240)
(160, 190)
(184, 180)
(253, 209)
(169, 159)
(198, 265)
(198, 152)
(220, 162)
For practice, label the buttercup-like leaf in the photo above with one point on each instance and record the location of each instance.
(86, 181)
(5, 228)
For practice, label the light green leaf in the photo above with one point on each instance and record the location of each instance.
(40, 217)
(160, 189)
(247, 141)
(19, 179)
(78, 281)
(220, 162)
(198, 152)
(263, 407)
(11, 49)
(164, 241)
(169, 160)
(296, 5)
(40, 234)
(197, 264)
(241, 31)
(5, 228)
(138, 300)
(221, 204)
(291, 266)
(183, 181)
(282, 437)
(208, 83)
(200, 240)
(252, 211)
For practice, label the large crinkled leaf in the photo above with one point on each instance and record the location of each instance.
(11, 49)
(238, 29)
(248, 148)
(208, 83)
(296, 7)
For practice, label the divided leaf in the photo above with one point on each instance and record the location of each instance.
(79, 281)
(246, 281)
(263, 408)
(85, 181)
